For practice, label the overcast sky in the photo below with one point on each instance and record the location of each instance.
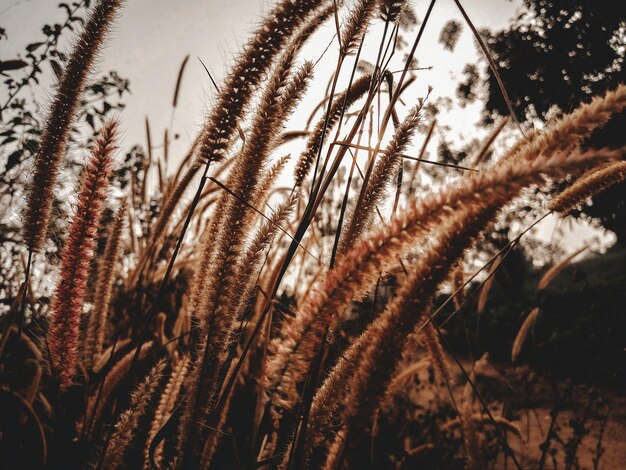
(151, 38)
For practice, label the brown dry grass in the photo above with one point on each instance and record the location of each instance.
(197, 300)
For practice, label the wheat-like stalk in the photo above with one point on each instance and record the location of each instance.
(368, 382)
(588, 185)
(357, 270)
(555, 270)
(246, 74)
(96, 328)
(390, 10)
(213, 143)
(217, 323)
(458, 282)
(164, 410)
(572, 129)
(254, 253)
(379, 348)
(298, 342)
(270, 363)
(98, 401)
(356, 24)
(486, 288)
(57, 126)
(384, 171)
(268, 181)
(520, 338)
(340, 104)
(126, 426)
(67, 306)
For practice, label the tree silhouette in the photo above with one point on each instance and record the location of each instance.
(559, 54)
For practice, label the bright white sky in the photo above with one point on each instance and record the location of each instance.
(152, 37)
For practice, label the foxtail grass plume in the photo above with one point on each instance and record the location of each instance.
(61, 115)
(588, 185)
(76, 257)
(98, 401)
(522, 334)
(249, 68)
(126, 426)
(96, 328)
(379, 348)
(390, 10)
(386, 166)
(356, 24)
(217, 323)
(293, 351)
(166, 405)
(341, 103)
(572, 129)
(551, 274)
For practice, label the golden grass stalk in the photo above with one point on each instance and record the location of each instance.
(367, 383)
(250, 268)
(67, 306)
(484, 291)
(555, 270)
(390, 10)
(216, 321)
(356, 24)
(164, 410)
(588, 185)
(458, 282)
(341, 103)
(520, 338)
(570, 131)
(252, 64)
(105, 281)
(57, 126)
(249, 68)
(292, 352)
(215, 438)
(254, 254)
(97, 402)
(244, 179)
(335, 453)
(291, 95)
(379, 348)
(295, 89)
(126, 426)
(436, 353)
(268, 181)
(384, 171)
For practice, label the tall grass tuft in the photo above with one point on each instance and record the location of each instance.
(67, 307)
(126, 426)
(588, 185)
(280, 351)
(97, 325)
(59, 122)
(380, 347)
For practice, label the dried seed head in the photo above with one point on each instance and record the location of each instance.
(53, 141)
(76, 257)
